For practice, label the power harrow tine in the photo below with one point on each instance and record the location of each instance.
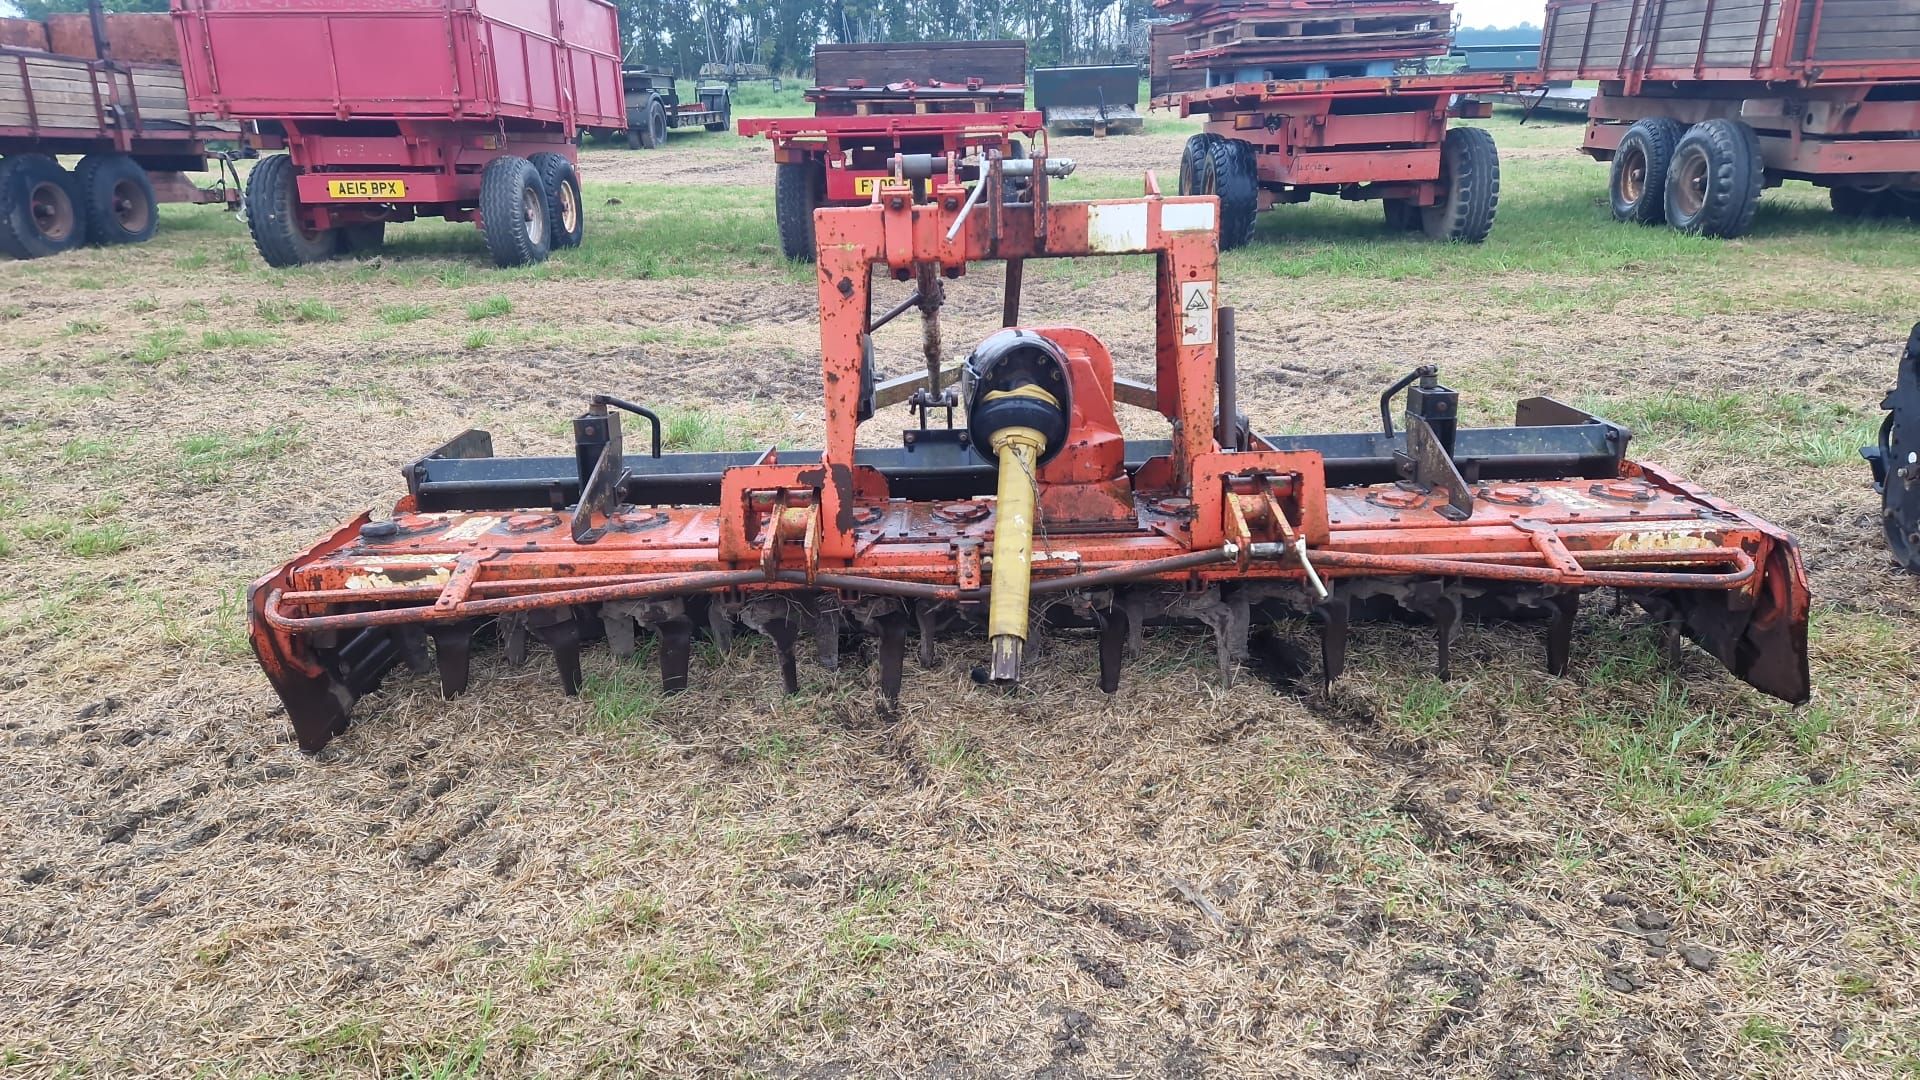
(1035, 512)
(453, 655)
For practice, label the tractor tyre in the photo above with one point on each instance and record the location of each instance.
(1637, 184)
(273, 217)
(799, 188)
(121, 205)
(366, 238)
(565, 220)
(634, 139)
(513, 212)
(1403, 215)
(1224, 168)
(653, 133)
(41, 209)
(1713, 185)
(1469, 188)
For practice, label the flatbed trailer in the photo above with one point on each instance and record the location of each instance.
(1356, 138)
(136, 141)
(653, 106)
(1702, 105)
(873, 103)
(463, 109)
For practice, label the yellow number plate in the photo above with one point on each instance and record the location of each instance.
(864, 185)
(367, 189)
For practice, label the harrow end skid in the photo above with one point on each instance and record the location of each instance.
(1032, 511)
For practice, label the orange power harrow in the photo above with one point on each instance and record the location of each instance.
(1032, 509)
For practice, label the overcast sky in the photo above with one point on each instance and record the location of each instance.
(1499, 12)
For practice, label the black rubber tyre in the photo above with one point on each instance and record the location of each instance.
(1713, 185)
(513, 212)
(1899, 441)
(1403, 215)
(273, 217)
(121, 205)
(366, 238)
(653, 133)
(1863, 205)
(41, 209)
(1224, 168)
(1469, 188)
(566, 221)
(799, 188)
(1637, 185)
(1016, 191)
(634, 140)
(726, 117)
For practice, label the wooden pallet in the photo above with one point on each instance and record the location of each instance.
(64, 89)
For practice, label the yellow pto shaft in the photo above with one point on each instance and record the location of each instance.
(1018, 450)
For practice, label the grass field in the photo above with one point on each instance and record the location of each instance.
(1634, 871)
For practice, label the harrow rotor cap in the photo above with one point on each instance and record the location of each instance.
(1017, 379)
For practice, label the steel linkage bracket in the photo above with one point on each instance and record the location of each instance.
(600, 458)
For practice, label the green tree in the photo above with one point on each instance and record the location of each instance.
(40, 9)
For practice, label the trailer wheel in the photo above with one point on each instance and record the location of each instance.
(1403, 215)
(564, 220)
(1225, 168)
(1470, 188)
(653, 134)
(1637, 185)
(726, 116)
(41, 211)
(365, 238)
(513, 212)
(1713, 185)
(273, 217)
(799, 188)
(634, 141)
(1848, 202)
(121, 205)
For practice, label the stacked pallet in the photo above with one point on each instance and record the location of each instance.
(1226, 41)
(926, 77)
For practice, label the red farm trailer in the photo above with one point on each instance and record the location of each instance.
(1385, 137)
(875, 101)
(127, 121)
(1703, 103)
(397, 109)
(1329, 97)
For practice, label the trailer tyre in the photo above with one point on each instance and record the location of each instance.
(1225, 168)
(653, 133)
(366, 238)
(121, 205)
(1713, 185)
(1861, 204)
(799, 188)
(513, 212)
(634, 141)
(726, 116)
(565, 221)
(1637, 185)
(273, 217)
(41, 209)
(1403, 215)
(1470, 188)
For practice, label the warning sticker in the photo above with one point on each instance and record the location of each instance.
(1196, 313)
